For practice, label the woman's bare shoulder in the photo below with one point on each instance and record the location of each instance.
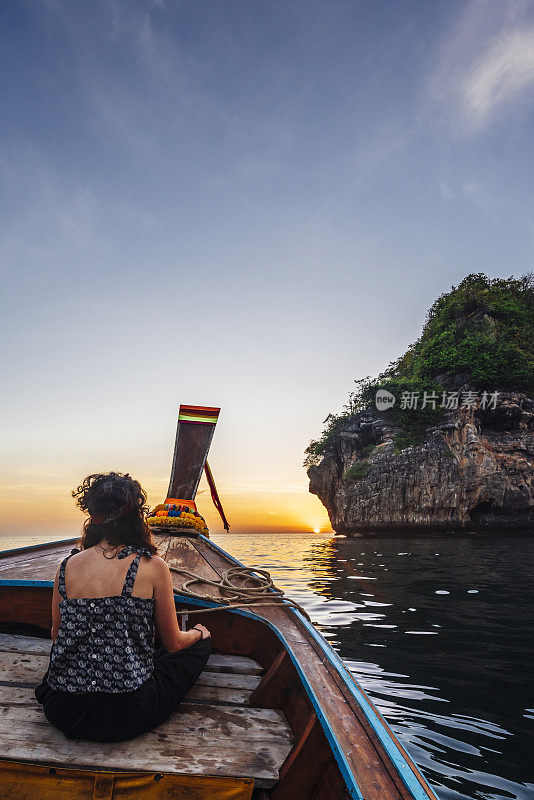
(82, 556)
(158, 565)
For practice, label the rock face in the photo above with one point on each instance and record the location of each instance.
(473, 472)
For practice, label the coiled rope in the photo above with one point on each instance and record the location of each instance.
(238, 595)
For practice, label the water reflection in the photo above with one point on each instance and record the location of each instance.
(438, 631)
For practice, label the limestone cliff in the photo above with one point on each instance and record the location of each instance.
(469, 467)
(474, 471)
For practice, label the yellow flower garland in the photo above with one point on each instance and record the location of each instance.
(183, 521)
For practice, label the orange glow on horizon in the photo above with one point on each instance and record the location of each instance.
(48, 507)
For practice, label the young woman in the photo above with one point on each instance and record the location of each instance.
(105, 681)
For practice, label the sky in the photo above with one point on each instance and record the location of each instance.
(238, 203)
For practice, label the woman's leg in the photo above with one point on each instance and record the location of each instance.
(69, 713)
(175, 674)
(102, 717)
(41, 691)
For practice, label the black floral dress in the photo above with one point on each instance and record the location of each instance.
(105, 681)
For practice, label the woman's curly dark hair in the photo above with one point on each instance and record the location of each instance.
(117, 507)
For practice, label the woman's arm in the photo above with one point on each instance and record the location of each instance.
(173, 639)
(56, 614)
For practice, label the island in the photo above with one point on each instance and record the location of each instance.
(443, 439)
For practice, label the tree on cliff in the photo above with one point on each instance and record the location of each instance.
(483, 327)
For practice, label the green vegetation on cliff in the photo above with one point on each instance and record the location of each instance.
(357, 471)
(483, 327)
(480, 333)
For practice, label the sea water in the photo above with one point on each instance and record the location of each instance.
(438, 630)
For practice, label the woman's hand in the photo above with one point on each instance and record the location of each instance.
(205, 632)
(191, 636)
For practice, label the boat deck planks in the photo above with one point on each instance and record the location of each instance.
(211, 733)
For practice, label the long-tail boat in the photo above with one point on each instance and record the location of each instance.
(276, 714)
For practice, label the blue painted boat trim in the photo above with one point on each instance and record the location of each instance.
(13, 582)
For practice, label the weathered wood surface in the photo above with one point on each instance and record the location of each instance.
(168, 749)
(28, 666)
(41, 564)
(218, 662)
(213, 732)
(190, 452)
(12, 643)
(222, 679)
(276, 685)
(194, 720)
(305, 765)
(331, 785)
(182, 554)
(32, 566)
(10, 693)
(234, 664)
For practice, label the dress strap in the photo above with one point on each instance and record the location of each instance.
(129, 581)
(61, 577)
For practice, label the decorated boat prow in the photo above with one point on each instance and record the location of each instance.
(194, 432)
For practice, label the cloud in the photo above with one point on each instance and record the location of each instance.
(502, 73)
(485, 66)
